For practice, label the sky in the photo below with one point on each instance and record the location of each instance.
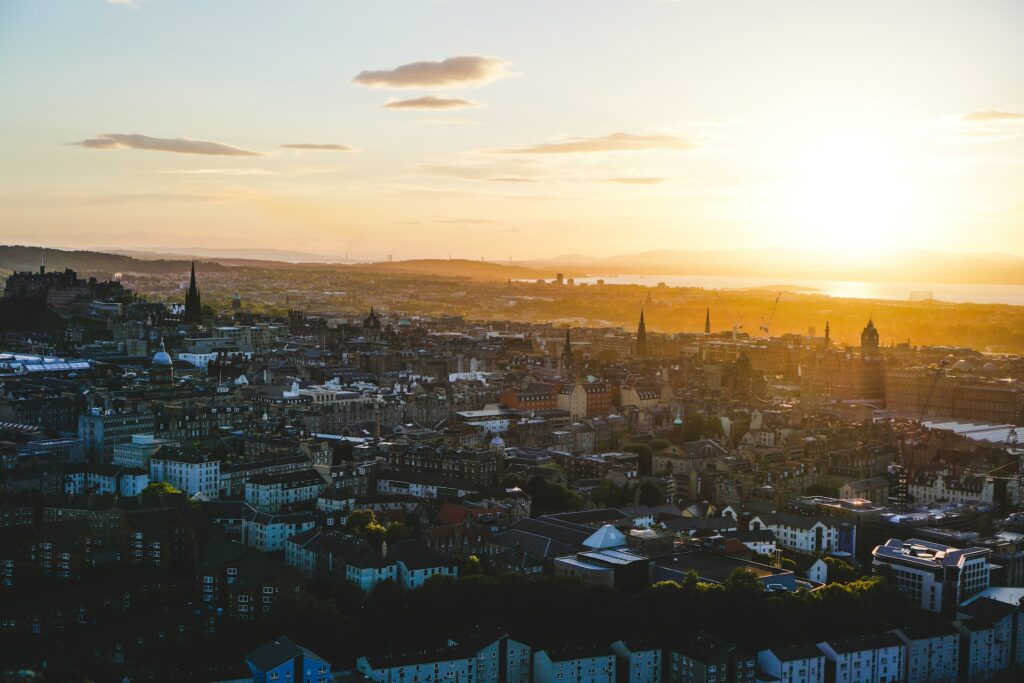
(512, 129)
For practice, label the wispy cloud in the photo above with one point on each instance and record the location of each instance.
(980, 126)
(176, 145)
(453, 122)
(124, 3)
(991, 115)
(615, 142)
(461, 70)
(637, 180)
(432, 102)
(325, 147)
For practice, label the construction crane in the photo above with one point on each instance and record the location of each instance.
(771, 316)
(737, 321)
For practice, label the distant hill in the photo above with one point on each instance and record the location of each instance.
(907, 266)
(476, 270)
(14, 258)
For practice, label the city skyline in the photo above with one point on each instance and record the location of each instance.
(495, 131)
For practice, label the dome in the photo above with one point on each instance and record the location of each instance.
(161, 357)
(497, 441)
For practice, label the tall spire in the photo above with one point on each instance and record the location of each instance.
(568, 360)
(193, 303)
(828, 332)
(707, 321)
(641, 336)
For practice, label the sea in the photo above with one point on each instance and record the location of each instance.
(892, 291)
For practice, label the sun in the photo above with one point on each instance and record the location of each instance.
(849, 192)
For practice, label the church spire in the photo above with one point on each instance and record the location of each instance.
(568, 360)
(641, 336)
(193, 303)
(707, 320)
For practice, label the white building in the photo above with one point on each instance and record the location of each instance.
(270, 492)
(105, 479)
(138, 451)
(986, 628)
(518, 658)
(936, 577)
(945, 488)
(190, 473)
(933, 653)
(267, 532)
(796, 664)
(574, 664)
(867, 659)
(640, 662)
(452, 663)
(810, 534)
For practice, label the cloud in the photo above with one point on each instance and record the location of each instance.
(615, 142)
(462, 70)
(432, 102)
(453, 122)
(326, 147)
(176, 145)
(991, 115)
(518, 171)
(635, 180)
(124, 3)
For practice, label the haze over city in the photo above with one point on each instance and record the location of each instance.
(521, 130)
(511, 341)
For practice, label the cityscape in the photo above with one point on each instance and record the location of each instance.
(575, 341)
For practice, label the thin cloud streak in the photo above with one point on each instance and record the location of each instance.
(432, 102)
(324, 147)
(461, 70)
(175, 145)
(990, 115)
(615, 142)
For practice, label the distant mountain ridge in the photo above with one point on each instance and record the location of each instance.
(22, 258)
(907, 266)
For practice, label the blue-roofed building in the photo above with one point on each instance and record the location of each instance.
(282, 660)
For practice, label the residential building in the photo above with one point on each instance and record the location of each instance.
(575, 664)
(865, 659)
(933, 653)
(271, 492)
(189, 472)
(793, 664)
(283, 661)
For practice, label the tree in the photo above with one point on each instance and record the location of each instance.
(359, 520)
(651, 494)
(160, 488)
(840, 571)
(471, 566)
(646, 457)
(550, 497)
(743, 581)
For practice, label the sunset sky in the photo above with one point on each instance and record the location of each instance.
(516, 128)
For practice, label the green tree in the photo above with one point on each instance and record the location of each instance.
(160, 488)
(651, 494)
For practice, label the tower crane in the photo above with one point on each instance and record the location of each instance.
(771, 315)
(737, 321)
